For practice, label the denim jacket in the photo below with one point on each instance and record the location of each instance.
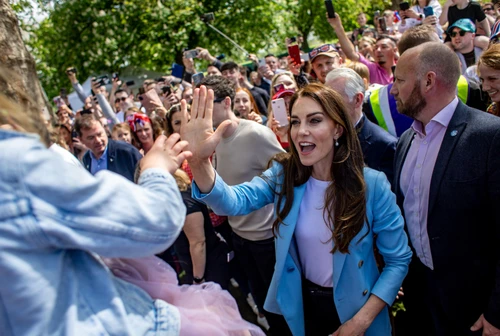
(54, 220)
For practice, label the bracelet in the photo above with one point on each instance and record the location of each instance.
(198, 280)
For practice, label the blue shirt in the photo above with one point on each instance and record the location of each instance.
(53, 225)
(99, 164)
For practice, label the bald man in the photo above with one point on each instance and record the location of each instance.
(447, 182)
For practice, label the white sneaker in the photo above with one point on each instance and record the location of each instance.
(252, 304)
(262, 321)
(234, 283)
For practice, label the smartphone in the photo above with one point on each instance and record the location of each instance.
(102, 80)
(58, 101)
(71, 70)
(428, 11)
(279, 111)
(208, 17)
(293, 39)
(177, 71)
(305, 57)
(197, 78)
(166, 90)
(376, 14)
(115, 75)
(330, 9)
(404, 6)
(294, 52)
(191, 53)
(382, 24)
(262, 62)
(63, 93)
(73, 132)
(130, 83)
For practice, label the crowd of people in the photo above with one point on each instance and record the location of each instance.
(323, 190)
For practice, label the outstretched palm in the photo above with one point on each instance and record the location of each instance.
(198, 131)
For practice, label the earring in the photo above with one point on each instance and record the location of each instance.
(336, 142)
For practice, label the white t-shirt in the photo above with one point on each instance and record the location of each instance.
(66, 155)
(313, 235)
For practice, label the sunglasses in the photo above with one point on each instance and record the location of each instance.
(219, 100)
(117, 100)
(487, 9)
(462, 33)
(323, 48)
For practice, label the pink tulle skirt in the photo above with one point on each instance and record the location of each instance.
(205, 309)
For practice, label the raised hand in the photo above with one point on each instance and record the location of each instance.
(166, 153)
(198, 132)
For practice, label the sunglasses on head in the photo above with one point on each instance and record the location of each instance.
(462, 33)
(117, 100)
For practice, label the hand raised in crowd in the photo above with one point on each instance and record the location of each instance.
(410, 13)
(95, 86)
(488, 329)
(79, 145)
(116, 83)
(71, 75)
(254, 117)
(166, 153)
(294, 67)
(198, 131)
(188, 64)
(160, 110)
(205, 54)
(279, 130)
(430, 20)
(253, 58)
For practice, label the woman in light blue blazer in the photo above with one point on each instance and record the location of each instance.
(331, 212)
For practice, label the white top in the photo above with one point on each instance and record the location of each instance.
(313, 235)
(66, 155)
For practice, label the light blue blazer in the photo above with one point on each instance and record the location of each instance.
(355, 275)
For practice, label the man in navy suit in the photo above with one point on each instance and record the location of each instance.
(378, 145)
(104, 154)
(447, 183)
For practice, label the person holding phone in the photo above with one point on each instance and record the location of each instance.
(417, 15)
(329, 212)
(283, 86)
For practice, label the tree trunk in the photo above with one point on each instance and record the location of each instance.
(17, 61)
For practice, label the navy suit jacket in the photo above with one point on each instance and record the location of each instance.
(379, 147)
(463, 220)
(122, 159)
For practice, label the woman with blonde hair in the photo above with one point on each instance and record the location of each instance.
(283, 86)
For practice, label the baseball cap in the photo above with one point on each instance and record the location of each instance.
(325, 49)
(283, 93)
(464, 24)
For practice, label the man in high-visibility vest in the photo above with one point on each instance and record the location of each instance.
(381, 108)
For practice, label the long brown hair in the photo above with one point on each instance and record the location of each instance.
(345, 200)
(255, 108)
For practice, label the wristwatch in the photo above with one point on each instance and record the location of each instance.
(198, 280)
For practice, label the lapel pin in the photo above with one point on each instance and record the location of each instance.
(111, 160)
(454, 133)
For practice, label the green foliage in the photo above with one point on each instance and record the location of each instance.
(99, 36)
(104, 36)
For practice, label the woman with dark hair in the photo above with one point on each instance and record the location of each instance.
(144, 131)
(174, 119)
(330, 213)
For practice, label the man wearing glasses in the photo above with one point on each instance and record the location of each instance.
(462, 34)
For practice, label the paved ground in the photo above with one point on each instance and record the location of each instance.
(245, 310)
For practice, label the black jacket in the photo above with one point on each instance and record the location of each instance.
(463, 220)
(122, 159)
(378, 147)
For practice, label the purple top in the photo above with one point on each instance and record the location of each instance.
(416, 178)
(313, 235)
(378, 75)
